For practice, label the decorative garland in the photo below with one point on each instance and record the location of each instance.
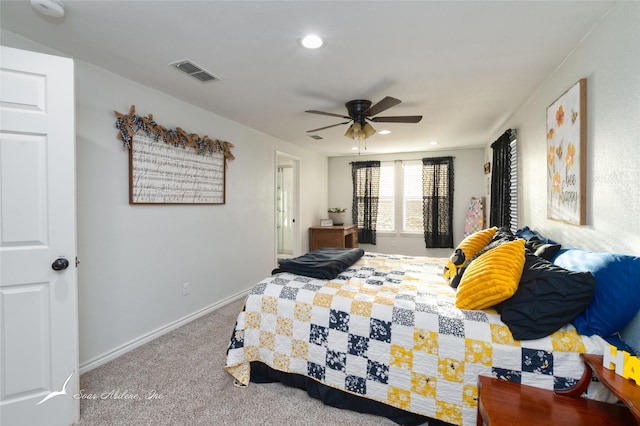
(129, 124)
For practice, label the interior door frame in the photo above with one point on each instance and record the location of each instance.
(280, 158)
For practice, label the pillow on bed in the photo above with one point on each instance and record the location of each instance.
(466, 249)
(500, 237)
(492, 277)
(631, 334)
(548, 297)
(617, 297)
(526, 233)
(542, 249)
(475, 242)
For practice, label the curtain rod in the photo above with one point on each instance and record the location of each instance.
(406, 159)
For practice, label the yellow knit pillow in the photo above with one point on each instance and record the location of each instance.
(476, 242)
(469, 246)
(492, 278)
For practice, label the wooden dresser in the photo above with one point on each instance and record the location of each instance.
(340, 236)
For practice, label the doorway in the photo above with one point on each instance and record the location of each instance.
(286, 204)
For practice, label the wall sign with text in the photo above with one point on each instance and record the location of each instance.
(567, 156)
(171, 166)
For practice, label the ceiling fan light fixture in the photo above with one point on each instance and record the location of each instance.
(358, 131)
(349, 133)
(368, 130)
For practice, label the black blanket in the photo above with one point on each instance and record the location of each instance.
(324, 263)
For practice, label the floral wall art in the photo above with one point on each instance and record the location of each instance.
(566, 156)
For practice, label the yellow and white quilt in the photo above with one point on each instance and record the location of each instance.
(387, 329)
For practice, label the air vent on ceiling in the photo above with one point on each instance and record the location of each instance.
(316, 137)
(194, 70)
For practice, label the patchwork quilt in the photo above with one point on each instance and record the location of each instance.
(387, 329)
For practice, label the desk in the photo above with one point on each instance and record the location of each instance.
(341, 236)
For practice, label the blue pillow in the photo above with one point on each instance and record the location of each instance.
(617, 297)
(527, 233)
(631, 334)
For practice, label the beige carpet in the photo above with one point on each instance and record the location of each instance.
(179, 379)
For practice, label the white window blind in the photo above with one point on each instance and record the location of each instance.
(412, 220)
(386, 199)
(400, 198)
(513, 206)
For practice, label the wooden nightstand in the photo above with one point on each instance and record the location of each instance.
(342, 236)
(503, 403)
(624, 389)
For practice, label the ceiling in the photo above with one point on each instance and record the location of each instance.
(464, 66)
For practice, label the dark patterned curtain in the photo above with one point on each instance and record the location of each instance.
(500, 214)
(366, 188)
(437, 201)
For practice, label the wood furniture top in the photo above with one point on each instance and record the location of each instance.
(339, 236)
(502, 403)
(625, 390)
(336, 227)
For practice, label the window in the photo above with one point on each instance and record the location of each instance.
(402, 197)
(386, 202)
(504, 182)
(513, 206)
(412, 221)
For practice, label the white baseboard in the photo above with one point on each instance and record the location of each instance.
(146, 338)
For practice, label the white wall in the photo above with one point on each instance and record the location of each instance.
(609, 58)
(469, 182)
(134, 257)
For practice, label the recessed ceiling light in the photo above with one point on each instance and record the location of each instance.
(384, 132)
(433, 143)
(312, 41)
(354, 148)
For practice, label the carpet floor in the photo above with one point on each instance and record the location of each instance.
(179, 379)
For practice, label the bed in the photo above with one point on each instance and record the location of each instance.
(385, 336)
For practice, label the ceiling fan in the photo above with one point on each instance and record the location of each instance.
(360, 111)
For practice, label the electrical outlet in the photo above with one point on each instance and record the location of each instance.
(185, 289)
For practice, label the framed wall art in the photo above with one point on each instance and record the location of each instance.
(161, 173)
(566, 156)
(172, 166)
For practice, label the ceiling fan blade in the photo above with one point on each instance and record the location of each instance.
(313, 111)
(383, 105)
(328, 127)
(398, 119)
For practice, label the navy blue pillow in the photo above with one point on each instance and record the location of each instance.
(548, 298)
(617, 297)
(526, 234)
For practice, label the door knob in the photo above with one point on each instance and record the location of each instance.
(60, 264)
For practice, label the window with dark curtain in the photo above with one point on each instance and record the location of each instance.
(437, 201)
(366, 189)
(500, 210)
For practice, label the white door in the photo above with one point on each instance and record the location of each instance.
(285, 211)
(287, 206)
(38, 305)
